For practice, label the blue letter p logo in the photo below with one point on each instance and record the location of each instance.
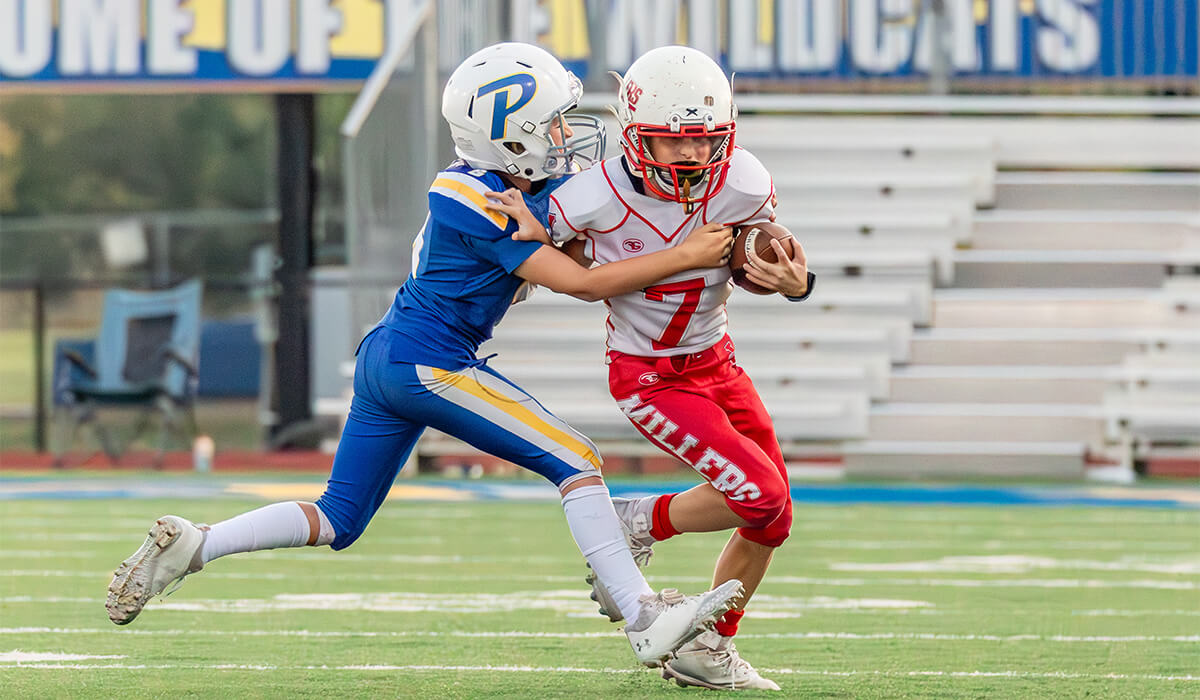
(504, 104)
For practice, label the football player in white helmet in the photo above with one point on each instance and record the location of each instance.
(507, 108)
(669, 96)
(671, 366)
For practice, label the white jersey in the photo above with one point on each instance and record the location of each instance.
(681, 314)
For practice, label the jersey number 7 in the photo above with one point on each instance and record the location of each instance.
(691, 291)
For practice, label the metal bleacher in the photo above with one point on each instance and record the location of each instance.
(1065, 307)
(977, 313)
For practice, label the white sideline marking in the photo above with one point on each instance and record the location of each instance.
(574, 669)
(76, 536)
(399, 576)
(20, 657)
(562, 601)
(849, 636)
(47, 554)
(1019, 564)
(18, 521)
(988, 583)
(774, 580)
(437, 559)
(1112, 545)
(1136, 613)
(988, 674)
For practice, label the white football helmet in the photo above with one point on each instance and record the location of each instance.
(501, 103)
(677, 92)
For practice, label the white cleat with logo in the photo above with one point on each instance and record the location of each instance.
(712, 661)
(636, 516)
(171, 551)
(670, 620)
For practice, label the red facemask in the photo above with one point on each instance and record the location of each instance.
(689, 184)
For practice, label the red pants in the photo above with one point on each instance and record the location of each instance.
(703, 409)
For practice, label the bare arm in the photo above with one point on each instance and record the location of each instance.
(707, 246)
(569, 272)
(788, 276)
(577, 250)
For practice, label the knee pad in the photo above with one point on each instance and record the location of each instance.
(769, 514)
(763, 506)
(774, 534)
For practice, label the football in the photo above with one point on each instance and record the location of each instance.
(756, 237)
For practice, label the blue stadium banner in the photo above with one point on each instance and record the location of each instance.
(840, 40)
(199, 44)
(284, 44)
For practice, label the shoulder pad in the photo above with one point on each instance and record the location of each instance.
(583, 202)
(747, 176)
(467, 190)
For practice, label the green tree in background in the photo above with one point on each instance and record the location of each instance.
(126, 154)
(119, 153)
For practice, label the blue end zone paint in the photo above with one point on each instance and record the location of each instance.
(188, 487)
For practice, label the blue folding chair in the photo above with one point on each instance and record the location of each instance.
(145, 357)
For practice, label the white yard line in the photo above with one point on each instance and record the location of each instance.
(48, 554)
(398, 576)
(1152, 584)
(988, 583)
(1051, 543)
(845, 636)
(565, 601)
(1136, 613)
(1023, 563)
(16, 656)
(574, 669)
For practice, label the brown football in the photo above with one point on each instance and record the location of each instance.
(757, 236)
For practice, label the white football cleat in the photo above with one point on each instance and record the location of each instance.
(670, 619)
(600, 594)
(635, 515)
(712, 661)
(170, 552)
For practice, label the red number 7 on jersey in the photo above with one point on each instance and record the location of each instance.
(691, 291)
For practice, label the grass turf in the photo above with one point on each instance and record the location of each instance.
(471, 599)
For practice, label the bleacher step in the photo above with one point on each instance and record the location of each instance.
(953, 458)
(1034, 422)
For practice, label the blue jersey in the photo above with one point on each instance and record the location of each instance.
(462, 279)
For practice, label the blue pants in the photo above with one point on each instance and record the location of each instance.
(395, 401)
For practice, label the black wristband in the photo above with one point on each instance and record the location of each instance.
(812, 282)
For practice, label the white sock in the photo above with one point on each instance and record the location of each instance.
(597, 532)
(270, 527)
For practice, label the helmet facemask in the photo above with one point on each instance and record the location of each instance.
(689, 183)
(532, 143)
(583, 149)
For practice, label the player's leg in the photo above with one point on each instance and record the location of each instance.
(745, 490)
(481, 407)
(374, 445)
(749, 550)
(712, 660)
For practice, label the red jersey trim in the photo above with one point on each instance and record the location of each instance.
(630, 210)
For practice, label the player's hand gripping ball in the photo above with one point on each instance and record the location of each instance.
(757, 237)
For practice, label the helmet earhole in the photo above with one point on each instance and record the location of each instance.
(528, 171)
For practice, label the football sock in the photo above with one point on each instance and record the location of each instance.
(597, 532)
(728, 624)
(270, 527)
(660, 523)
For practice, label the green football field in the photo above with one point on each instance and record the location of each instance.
(486, 599)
